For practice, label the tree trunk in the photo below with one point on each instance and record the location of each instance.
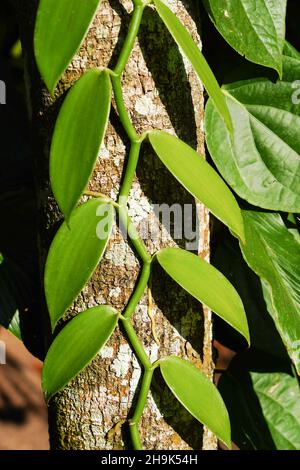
(161, 91)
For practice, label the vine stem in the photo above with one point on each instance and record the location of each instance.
(140, 406)
(125, 221)
(131, 37)
(138, 292)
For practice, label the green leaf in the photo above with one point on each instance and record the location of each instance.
(228, 259)
(197, 394)
(76, 345)
(290, 51)
(78, 134)
(192, 52)
(254, 29)
(291, 68)
(206, 284)
(273, 253)
(199, 178)
(59, 31)
(74, 255)
(261, 161)
(263, 403)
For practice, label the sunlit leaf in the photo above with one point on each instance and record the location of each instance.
(76, 345)
(206, 284)
(256, 29)
(261, 160)
(60, 28)
(74, 254)
(197, 394)
(77, 138)
(199, 178)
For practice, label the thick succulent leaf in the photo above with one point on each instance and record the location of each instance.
(76, 345)
(273, 253)
(261, 161)
(263, 403)
(197, 394)
(256, 29)
(206, 284)
(60, 28)
(78, 134)
(192, 52)
(74, 255)
(199, 178)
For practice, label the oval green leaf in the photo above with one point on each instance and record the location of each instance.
(256, 29)
(192, 52)
(76, 345)
(206, 284)
(198, 395)
(74, 255)
(261, 160)
(59, 31)
(78, 135)
(199, 178)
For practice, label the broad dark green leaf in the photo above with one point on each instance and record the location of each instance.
(228, 259)
(198, 395)
(206, 284)
(77, 138)
(199, 178)
(291, 70)
(192, 52)
(74, 254)
(60, 28)
(290, 51)
(256, 29)
(261, 160)
(76, 345)
(262, 398)
(273, 253)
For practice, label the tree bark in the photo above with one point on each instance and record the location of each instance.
(161, 92)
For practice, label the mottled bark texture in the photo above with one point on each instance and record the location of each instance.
(161, 91)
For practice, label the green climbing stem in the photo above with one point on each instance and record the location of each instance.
(132, 232)
(123, 114)
(130, 170)
(136, 344)
(130, 38)
(126, 223)
(138, 291)
(139, 409)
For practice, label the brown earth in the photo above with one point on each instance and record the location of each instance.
(23, 415)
